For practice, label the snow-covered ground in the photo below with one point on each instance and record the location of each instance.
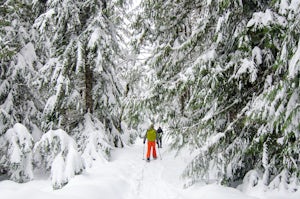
(128, 176)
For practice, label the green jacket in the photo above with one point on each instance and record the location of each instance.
(150, 135)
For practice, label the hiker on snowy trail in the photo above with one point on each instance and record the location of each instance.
(152, 138)
(159, 134)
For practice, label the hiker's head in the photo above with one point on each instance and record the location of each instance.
(151, 126)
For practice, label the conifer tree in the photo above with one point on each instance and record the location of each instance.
(60, 64)
(82, 61)
(19, 100)
(213, 64)
(18, 63)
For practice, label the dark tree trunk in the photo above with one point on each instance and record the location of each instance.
(88, 89)
(104, 5)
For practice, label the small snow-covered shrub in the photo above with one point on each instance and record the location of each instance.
(294, 183)
(93, 141)
(284, 181)
(281, 182)
(251, 179)
(57, 152)
(16, 145)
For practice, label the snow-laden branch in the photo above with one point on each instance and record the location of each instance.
(57, 151)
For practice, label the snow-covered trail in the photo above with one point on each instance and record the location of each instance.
(160, 178)
(149, 180)
(128, 176)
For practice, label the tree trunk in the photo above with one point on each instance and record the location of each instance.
(88, 89)
(104, 5)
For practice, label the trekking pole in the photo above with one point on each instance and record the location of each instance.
(144, 152)
(159, 153)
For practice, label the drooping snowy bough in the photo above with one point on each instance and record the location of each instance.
(93, 142)
(16, 146)
(57, 152)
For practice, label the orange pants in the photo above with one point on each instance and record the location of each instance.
(151, 145)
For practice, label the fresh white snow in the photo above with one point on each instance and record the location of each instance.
(293, 65)
(128, 176)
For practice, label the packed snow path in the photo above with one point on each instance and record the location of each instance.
(128, 176)
(149, 179)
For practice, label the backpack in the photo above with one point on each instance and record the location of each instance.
(151, 135)
(159, 132)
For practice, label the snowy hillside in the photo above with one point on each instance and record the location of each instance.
(127, 176)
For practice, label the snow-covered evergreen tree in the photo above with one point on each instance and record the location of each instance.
(16, 153)
(81, 61)
(225, 75)
(275, 112)
(19, 100)
(60, 68)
